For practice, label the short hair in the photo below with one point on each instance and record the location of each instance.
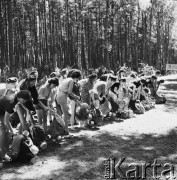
(63, 71)
(133, 75)
(116, 84)
(158, 72)
(161, 81)
(53, 74)
(54, 81)
(137, 83)
(154, 77)
(121, 70)
(33, 73)
(103, 78)
(76, 74)
(146, 90)
(143, 81)
(92, 76)
(112, 77)
(70, 72)
(24, 94)
(33, 76)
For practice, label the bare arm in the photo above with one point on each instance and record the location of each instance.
(20, 83)
(20, 113)
(41, 91)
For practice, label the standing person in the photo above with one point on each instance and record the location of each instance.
(30, 84)
(64, 91)
(72, 101)
(76, 91)
(47, 96)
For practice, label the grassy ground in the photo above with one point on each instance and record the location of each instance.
(139, 140)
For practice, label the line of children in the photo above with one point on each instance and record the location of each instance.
(120, 95)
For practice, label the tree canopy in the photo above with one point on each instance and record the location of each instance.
(87, 33)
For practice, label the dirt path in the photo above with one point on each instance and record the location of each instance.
(140, 140)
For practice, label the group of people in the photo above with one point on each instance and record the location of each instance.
(28, 111)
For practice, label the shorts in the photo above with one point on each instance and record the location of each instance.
(43, 101)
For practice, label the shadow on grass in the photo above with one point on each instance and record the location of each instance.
(87, 160)
(170, 80)
(85, 156)
(171, 105)
(170, 87)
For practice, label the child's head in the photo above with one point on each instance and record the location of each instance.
(115, 87)
(82, 112)
(11, 83)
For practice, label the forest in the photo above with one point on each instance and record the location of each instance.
(88, 33)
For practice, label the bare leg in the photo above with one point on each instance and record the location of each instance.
(59, 110)
(44, 120)
(66, 114)
(73, 104)
(21, 112)
(4, 138)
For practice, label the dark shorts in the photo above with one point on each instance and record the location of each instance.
(43, 101)
(29, 105)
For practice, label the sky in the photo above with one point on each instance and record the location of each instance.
(144, 4)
